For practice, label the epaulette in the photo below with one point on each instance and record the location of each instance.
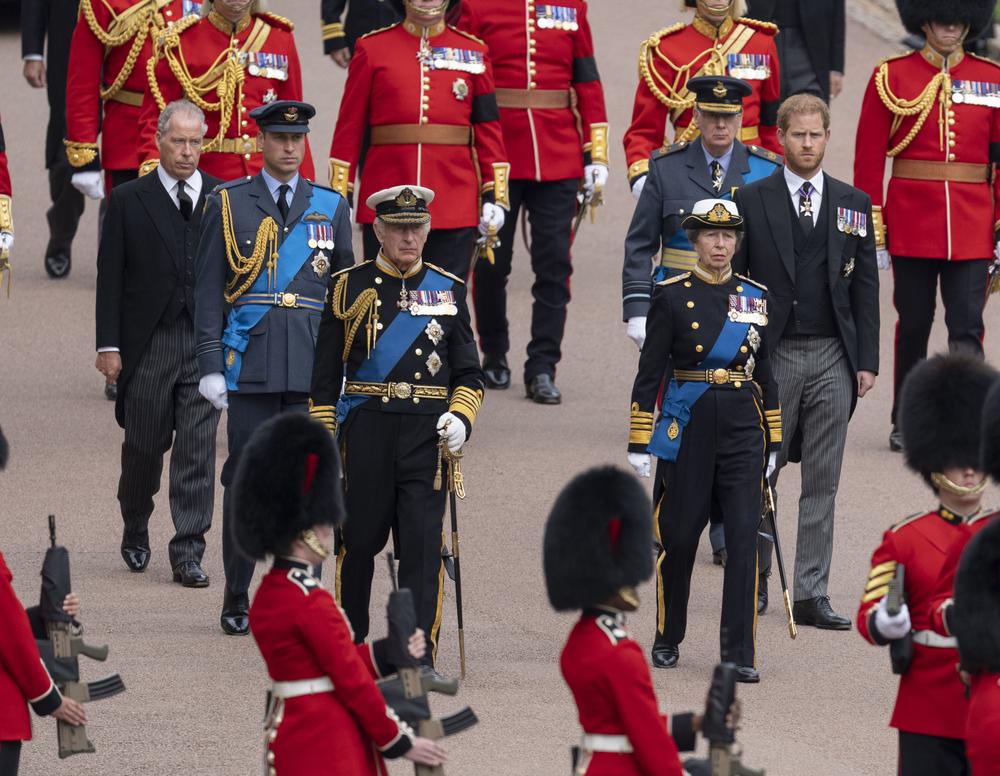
(983, 59)
(899, 55)
(444, 272)
(233, 183)
(765, 153)
(352, 267)
(611, 628)
(670, 149)
(655, 38)
(985, 515)
(751, 281)
(380, 29)
(278, 21)
(766, 27)
(908, 520)
(305, 581)
(674, 279)
(468, 35)
(186, 23)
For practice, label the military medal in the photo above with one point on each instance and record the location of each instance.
(673, 430)
(319, 235)
(848, 267)
(460, 89)
(265, 65)
(753, 337)
(190, 8)
(747, 309)
(433, 363)
(404, 300)
(320, 264)
(749, 67)
(446, 58)
(556, 17)
(748, 367)
(434, 331)
(432, 303)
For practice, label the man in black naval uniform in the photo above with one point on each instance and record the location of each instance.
(715, 164)
(398, 329)
(268, 246)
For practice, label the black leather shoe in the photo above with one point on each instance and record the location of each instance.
(747, 674)
(896, 440)
(58, 266)
(135, 553)
(542, 390)
(497, 372)
(761, 594)
(720, 557)
(189, 574)
(111, 391)
(235, 618)
(818, 613)
(665, 655)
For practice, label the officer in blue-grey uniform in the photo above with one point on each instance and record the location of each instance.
(268, 247)
(714, 164)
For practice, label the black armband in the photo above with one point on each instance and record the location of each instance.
(585, 70)
(484, 108)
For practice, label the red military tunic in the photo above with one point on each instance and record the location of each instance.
(942, 599)
(607, 673)
(931, 700)
(431, 118)
(256, 62)
(303, 634)
(107, 78)
(742, 48)
(543, 56)
(939, 204)
(23, 678)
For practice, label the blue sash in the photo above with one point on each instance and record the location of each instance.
(292, 255)
(391, 345)
(680, 398)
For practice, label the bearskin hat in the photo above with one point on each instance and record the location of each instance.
(598, 539)
(989, 458)
(975, 620)
(287, 481)
(4, 451)
(940, 411)
(975, 13)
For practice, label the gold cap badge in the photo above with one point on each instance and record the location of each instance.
(719, 90)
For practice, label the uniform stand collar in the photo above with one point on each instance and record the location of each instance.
(709, 30)
(417, 30)
(222, 24)
(939, 60)
(711, 276)
(284, 562)
(954, 518)
(393, 271)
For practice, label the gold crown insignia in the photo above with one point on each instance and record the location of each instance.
(406, 198)
(719, 90)
(719, 215)
(292, 114)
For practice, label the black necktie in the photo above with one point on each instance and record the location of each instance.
(283, 189)
(806, 207)
(716, 176)
(184, 200)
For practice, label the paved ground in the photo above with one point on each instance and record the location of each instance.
(195, 697)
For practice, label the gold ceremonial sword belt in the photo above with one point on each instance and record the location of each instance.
(237, 145)
(281, 299)
(125, 96)
(713, 376)
(397, 390)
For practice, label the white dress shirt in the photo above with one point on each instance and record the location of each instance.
(794, 183)
(273, 184)
(192, 186)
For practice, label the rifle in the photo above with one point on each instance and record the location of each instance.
(771, 514)
(452, 560)
(61, 650)
(900, 650)
(723, 761)
(406, 693)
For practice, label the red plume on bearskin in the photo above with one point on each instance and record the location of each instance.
(975, 620)
(975, 13)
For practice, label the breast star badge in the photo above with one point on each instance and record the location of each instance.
(270, 96)
(460, 89)
(320, 264)
(753, 337)
(433, 363)
(434, 331)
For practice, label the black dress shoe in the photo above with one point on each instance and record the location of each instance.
(896, 440)
(747, 674)
(135, 553)
(542, 390)
(235, 618)
(719, 557)
(818, 613)
(761, 594)
(111, 391)
(497, 372)
(189, 574)
(665, 655)
(58, 266)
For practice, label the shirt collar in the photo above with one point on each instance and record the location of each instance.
(170, 183)
(273, 183)
(794, 181)
(392, 270)
(723, 160)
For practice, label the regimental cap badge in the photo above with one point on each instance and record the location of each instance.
(719, 215)
(713, 214)
(719, 90)
(405, 204)
(283, 115)
(291, 113)
(406, 198)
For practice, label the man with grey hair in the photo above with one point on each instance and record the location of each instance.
(145, 341)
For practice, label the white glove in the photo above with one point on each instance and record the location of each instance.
(892, 627)
(637, 187)
(636, 330)
(640, 462)
(213, 388)
(90, 184)
(882, 259)
(492, 215)
(772, 464)
(451, 429)
(595, 176)
(6, 241)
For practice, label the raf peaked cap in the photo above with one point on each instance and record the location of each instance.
(284, 116)
(714, 214)
(402, 204)
(719, 94)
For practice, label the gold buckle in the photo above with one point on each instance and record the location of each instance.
(400, 390)
(289, 299)
(719, 376)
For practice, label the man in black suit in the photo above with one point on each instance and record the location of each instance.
(360, 18)
(810, 44)
(146, 341)
(54, 19)
(809, 239)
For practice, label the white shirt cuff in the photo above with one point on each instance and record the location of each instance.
(33, 58)
(108, 350)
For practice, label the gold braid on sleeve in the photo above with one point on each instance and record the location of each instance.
(246, 269)
(362, 307)
(938, 89)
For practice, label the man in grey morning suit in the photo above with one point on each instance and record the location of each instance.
(268, 247)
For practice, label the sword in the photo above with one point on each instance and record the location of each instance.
(769, 510)
(587, 203)
(5, 267)
(452, 560)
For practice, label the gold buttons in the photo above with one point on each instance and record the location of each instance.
(695, 324)
(418, 352)
(951, 122)
(246, 156)
(378, 281)
(687, 284)
(698, 348)
(532, 85)
(737, 383)
(425, 120)
(246, 137)
(951, 157)
(168, 13)
(739, 288)
(743, 348)
(378, 302)
(416, 400)
(270, 758)
(417, 375)
(385, 399)
(243, 123)
(378, 326)
(690, 305)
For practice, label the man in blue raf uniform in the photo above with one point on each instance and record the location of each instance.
(268, 246)
(397, 328)
(714, 165)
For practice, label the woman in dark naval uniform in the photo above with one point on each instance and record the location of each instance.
(719, 429)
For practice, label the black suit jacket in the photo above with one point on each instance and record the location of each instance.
(54, 19)
(138, 271)
(823, 26)
(767, 255)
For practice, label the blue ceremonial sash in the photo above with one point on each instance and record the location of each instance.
(391, 345)
(681, 397)
(292, 255)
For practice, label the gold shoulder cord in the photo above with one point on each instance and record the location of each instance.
(136, 26)
(939, 89)
(364, 304)
(247, 269)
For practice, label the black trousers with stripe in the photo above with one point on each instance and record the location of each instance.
(389, 464)
(719, 467)
(921, 755)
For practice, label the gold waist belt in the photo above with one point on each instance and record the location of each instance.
(125, 96)
(397, 390)
(676, 258)
(532, 98)
(427, 134)
(922, 170)
(237, 145)
(713, 376)
(747, 134)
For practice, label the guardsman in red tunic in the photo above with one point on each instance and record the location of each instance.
(936, 114)
(556, 132)
(717, 42)
(228, 63)
(325, 714)
(421, 94)
(939, 416)
(6, 212)
(596, 551)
